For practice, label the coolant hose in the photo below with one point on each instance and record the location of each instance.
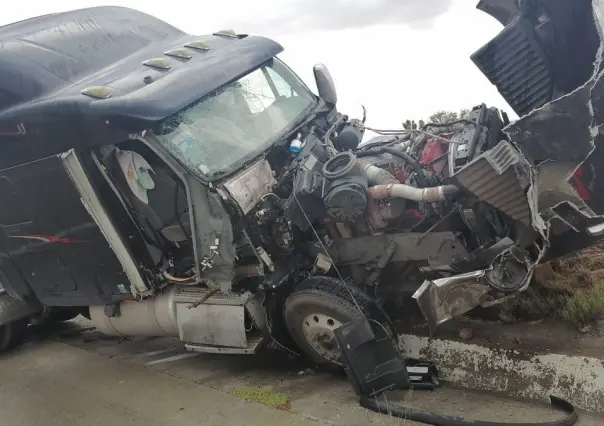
(386, 407)
(402, 155)
(408, 192)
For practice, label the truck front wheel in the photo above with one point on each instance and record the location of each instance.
(317, 307)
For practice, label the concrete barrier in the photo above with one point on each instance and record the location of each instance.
(521, 374)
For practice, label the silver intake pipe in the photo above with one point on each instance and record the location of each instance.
(400, 190)
(378, 176)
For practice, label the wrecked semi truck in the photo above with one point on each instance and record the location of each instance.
(165, 184)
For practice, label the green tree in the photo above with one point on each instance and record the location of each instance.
(441, 116)
(413, 125)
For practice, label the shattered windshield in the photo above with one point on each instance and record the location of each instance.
(238, 121)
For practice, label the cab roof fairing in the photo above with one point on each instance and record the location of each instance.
(136, 102)
(45, 92)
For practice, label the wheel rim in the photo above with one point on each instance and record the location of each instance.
(318, 332)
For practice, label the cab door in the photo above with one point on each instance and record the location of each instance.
(55, 230)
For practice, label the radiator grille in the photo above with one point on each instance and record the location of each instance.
(498, 177)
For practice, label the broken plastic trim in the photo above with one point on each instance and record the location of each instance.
(596, 230)
(442, 299)
(385, 407)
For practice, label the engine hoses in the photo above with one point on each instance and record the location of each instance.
(408, 192)
(403, 156)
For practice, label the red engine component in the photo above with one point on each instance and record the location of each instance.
(580, 187)
(399, 173)
(434, 149)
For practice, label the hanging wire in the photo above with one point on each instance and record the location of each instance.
(405, 132)
(329, 256)
(270, 330)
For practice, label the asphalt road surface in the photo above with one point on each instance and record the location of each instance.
(77, 377)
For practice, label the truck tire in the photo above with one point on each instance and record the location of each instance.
(13, 334)
(316, 307)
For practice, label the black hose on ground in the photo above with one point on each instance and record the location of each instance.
(388, 408)
(403, 156)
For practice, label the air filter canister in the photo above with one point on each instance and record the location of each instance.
(345, 188)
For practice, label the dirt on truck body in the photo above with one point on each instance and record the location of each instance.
(166, 184)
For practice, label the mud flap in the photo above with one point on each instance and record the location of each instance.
(374, 363)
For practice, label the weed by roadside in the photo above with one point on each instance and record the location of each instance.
(263, 395)
(570, 289)
(585, 306)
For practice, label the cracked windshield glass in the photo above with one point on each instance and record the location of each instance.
(238, 121)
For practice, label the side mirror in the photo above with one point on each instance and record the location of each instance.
(325, 84)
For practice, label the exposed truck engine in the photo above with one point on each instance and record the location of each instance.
(447, 201)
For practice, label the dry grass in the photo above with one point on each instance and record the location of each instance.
(584, 306)
(572, 289)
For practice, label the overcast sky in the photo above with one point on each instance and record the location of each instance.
(400, 58)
